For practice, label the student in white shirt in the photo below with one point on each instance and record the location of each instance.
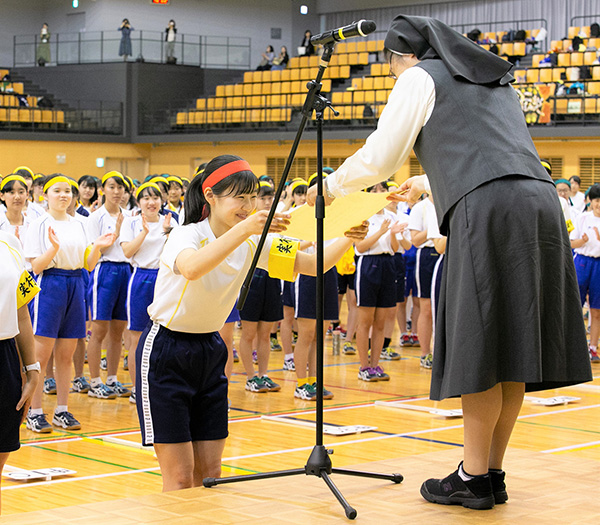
(15, 293)
(175, 201)
(585, 240)
(142, 239)
(181, 387)
(13, 193)
(108, 291)
(577, 196)
(57, 247)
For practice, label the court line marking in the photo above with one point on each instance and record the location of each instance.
(298, 449)
(572, 447)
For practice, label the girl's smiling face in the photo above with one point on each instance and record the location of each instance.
(150, 204)
(230, 210)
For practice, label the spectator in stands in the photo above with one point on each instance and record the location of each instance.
(267, 59)
(281, 60)
(125, 47)
(170, 34)
(306, 48)
(43, 50)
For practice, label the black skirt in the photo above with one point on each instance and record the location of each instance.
(509, 303)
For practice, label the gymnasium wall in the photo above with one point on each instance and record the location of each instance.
(181, 158)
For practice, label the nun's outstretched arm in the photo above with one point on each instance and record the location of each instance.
(409, 107)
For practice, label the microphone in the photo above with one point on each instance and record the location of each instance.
(360, 28)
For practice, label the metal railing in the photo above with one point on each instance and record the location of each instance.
(594, 18)
(70, 116)
(149, 46)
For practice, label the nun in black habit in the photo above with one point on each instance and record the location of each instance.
(509, 319)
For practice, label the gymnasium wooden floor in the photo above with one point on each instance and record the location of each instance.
(553, 462)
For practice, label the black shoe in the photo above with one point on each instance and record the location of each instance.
(452, 490)
(498, 486)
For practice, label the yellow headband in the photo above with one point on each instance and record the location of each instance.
(264, 184)
(74, 184)
(10, 178)
(297, 184)
(199, 171)
(185, 179)
(173, 178)
(55, 180)
(38, 176)
(159, 179)
(546, 165)
(130, 181)
(142, 187)
(113, 174)
(24, 168)
(392, 183)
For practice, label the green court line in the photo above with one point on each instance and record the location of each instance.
(558, 427)
(93, 459)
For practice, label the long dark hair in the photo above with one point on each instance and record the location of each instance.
(196, 206)
(88, 180)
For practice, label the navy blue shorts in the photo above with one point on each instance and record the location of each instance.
(410, 284)
(376, 281)
(10, 393)
(437, 286)
(400, 277)
(426, 260)
(588, 278)
(345, 281)
(181, 387)
(263, 302)
(58, 310)
(306, 297)
(108, 291)
(288, 294)
(140, 295)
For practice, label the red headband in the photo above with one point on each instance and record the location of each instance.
(224, 171)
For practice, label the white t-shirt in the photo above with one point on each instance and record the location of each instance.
(12, 265)
(585, 223)
(148, 256)
(34, 210)
(578, 201)
(18, 231)
(419, 220)
(71, 234)
(202, 305)
(99, 223)
(384, 243)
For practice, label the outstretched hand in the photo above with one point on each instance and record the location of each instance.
(358, 233)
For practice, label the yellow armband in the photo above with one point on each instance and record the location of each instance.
(570, 226)
(86, 254)
(27, 289)
(282, 258)
(346, 265)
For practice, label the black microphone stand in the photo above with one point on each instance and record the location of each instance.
(319, 463)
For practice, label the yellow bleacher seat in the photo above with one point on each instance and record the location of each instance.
(182, 117)
(572, 74)
(595, 72)
(276, 75)
(590, 105)
(238, 90)
(24, 115)
(376, 70)
(344, 72)
(286, 87)
(210, 103)
(297, 100)
(545, 74)
(220, 91)
(326, 86)
(286, 75)
(265, 88)
(369, 97)
(491, 35)
(556, 44)
(256, 115)
(248, 89)
(368, 83)
(219, 103)
(312, 72)
(236, 102)
(556, 73)
(37, 115)
(356, 83)
(378, 83)
(593, 88)
(274, 101)
(594, 42)
(577, 59)
(535, 60)
(253, 102)
(566, 44)
(248, 76)
(256, 89)
(343, 60)
(199, 117)
(229, 90)
(585, 30)
(337, 97)
(381, 95)
(313, 61)
(295, 73)
(48, 117)
(351, 47)
(573, 31)
(589, 57)
(372, 46)
(334, 60)
(341, 47)
(363, 58)
(304, 73)
(257, 76)
(361, 47)
(304, 62)
(533, 75)
(352, 59)
(485, 46)
(358, 97)
(385, 70)
(519, 49)
(293, 63)
(560, 105)
(200, 103)
(564, 59)
(276, 88)
(347, 97)
(507, 49)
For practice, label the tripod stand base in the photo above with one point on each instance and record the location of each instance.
(318, 464)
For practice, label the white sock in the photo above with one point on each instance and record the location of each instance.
(95, 381)
(463, 475)
(36, 411)
(61, 408)
(289, 356)
(110, 380)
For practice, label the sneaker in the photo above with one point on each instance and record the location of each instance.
(427, 361)
(405, 340)
(348, 349)
(49, 385)
(275, 346)
(254, 357)
(414, 340)
(236, 356)
(81, 385)
(409, 324)
(256, 384)
(452, 490)
(271, 385)
(368, 374)
(118, 388)
(289, 365)
(388, 354)
(66, 421)
(132, 398)
(498, 486)
(381, 375)
(103, 364)
(126, 363)
(306, 392)
(38, 423)
(594, 358)
(102, 392)
(327, 394)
